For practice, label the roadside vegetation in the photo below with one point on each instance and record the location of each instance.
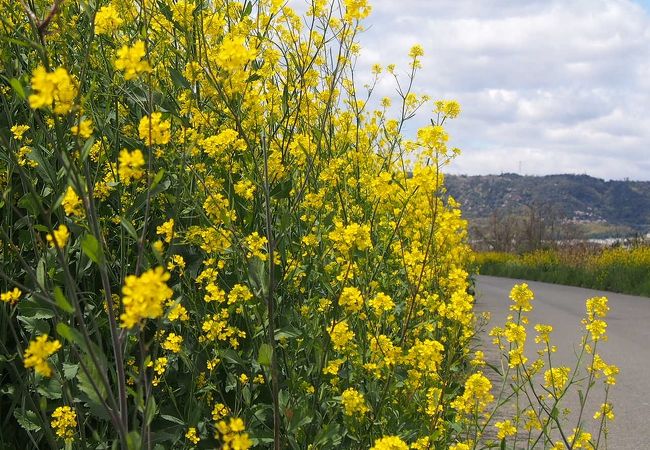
(210, 240)
(618, 269)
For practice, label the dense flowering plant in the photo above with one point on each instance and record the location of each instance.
(210, 240)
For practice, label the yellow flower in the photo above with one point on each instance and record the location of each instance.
(178, 312)
(64, 422)
(522, 297)
(389, 443)
(238, 294)
(154, 130)
(59, 237)
(72, 204)
(556, 377)
(341, 335)
(12, 296)
(256, 245)
(219, 411)
(505, 429)
(144, 296)
(18, 131)
(166, 230)
(245, 189)
(449, 108)
(382, 303)
(176, 261)
(476, 396)
(233, 54)
(107, 20)
(129, 60)
(55, 90)
(607, 410)
(353, 403)
(173, 343)
(232, 434)
(351, 299)
(356, 10)
(84, 129)
(37, 353)
(130, 167)
(192, 435)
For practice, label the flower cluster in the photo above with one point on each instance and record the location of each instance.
(38, 352)
(143, 296)
(64, 422)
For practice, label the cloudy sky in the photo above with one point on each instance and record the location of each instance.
(546, 86)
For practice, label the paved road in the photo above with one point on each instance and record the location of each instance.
(628, 346)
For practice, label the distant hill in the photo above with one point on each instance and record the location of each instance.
(580, 198)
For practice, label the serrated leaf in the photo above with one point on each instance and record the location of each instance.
(91, 248)
(70, 371)
(28, 420)
(86, 381)
(34, 310)
(61, 301)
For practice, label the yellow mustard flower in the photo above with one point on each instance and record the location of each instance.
(64, 422)
(12, 296)
(56, 90)
(129, 60)
(107, 20)
(59, 237)
(37, 353)
(389, 443)
(154, 130)
(173, 343)
(131, 164)
(353, 403)
(143, 296)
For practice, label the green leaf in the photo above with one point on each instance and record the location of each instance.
(71, 335)
(86, 380)
(91, 248)
(50, 389)
(281, 190)
(172, 419)
(178, 79)
(28, 420)
(35, 310)
(85, 151)
(133, 441)
(129, 228)
(265, 354)
(61, 301)
(18, 87)
(248, 9)
(40, 272)
(70, 371)
(150, 410)
(156, 179)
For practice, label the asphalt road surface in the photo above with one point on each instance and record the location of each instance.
(628, 346)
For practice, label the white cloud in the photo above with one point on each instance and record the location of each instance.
(560, 85)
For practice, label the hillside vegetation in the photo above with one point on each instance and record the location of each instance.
(602, 206)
